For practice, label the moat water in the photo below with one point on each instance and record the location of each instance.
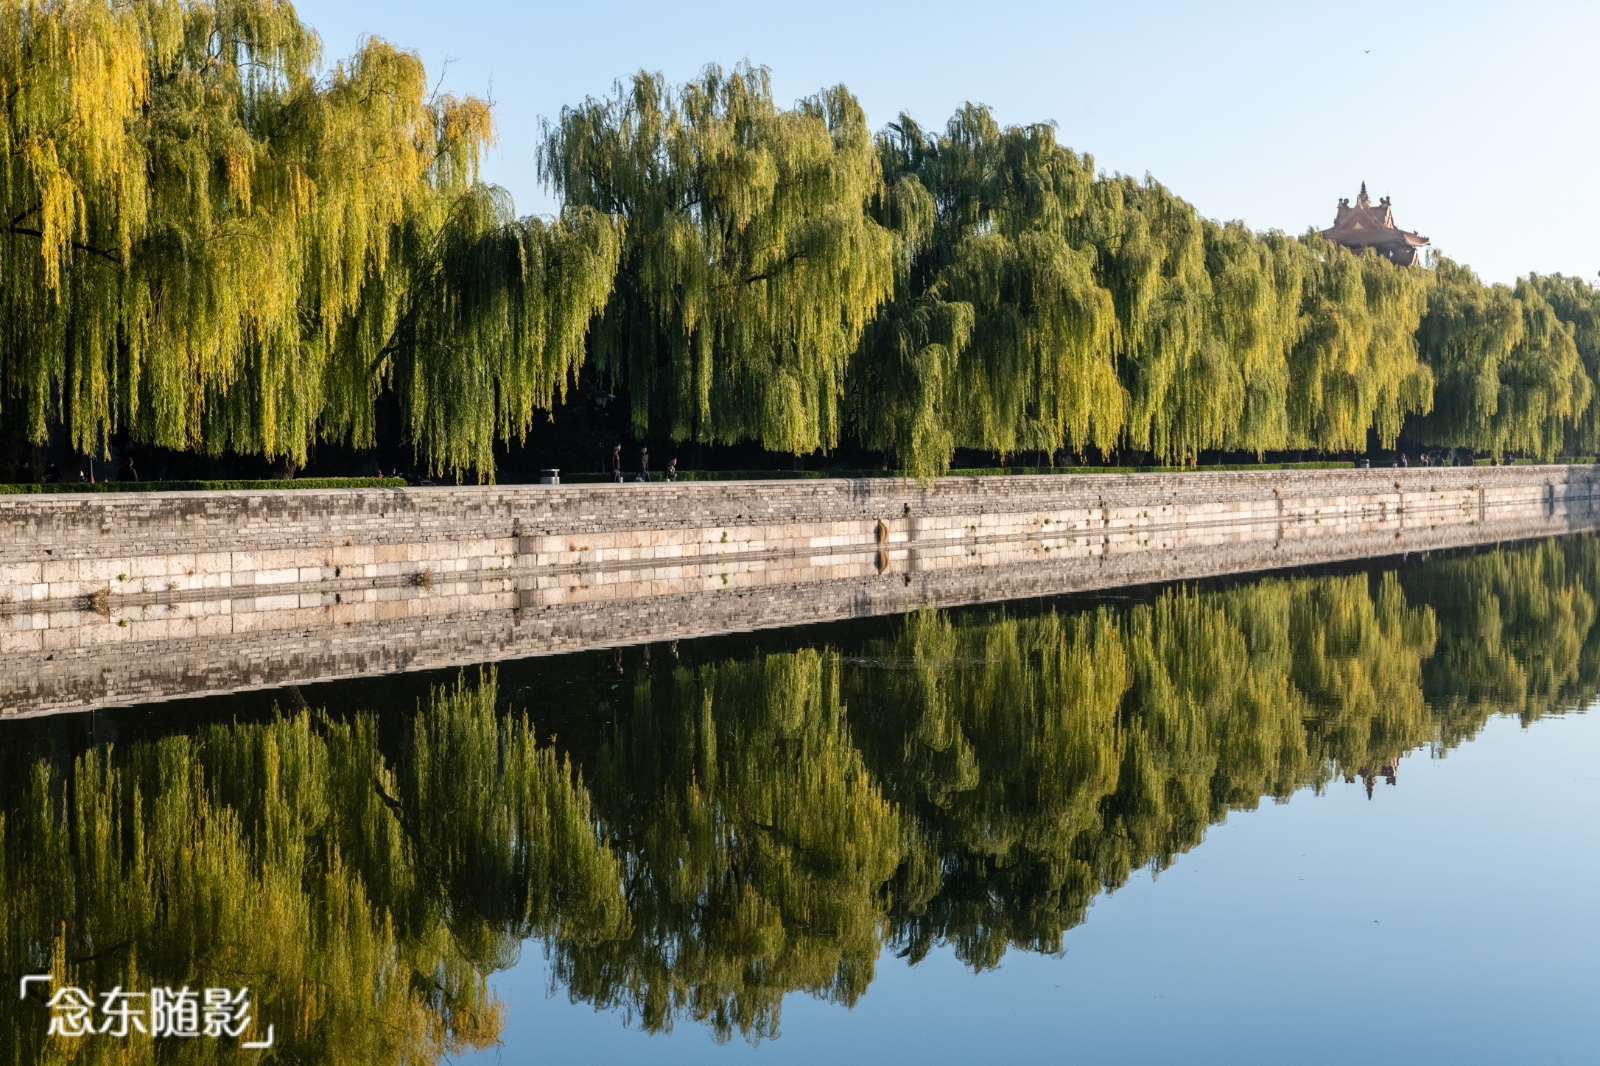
(1303, 817)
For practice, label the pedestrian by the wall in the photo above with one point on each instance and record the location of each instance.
(616, 464)
(644, 464)
(672, 468)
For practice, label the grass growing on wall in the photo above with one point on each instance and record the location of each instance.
(200, 486)
(588, 478)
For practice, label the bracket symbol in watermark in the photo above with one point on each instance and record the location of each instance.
(28, 979)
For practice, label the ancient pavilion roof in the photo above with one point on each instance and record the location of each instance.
(1366, 225)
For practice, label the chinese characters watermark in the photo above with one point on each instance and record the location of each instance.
(161, 1012)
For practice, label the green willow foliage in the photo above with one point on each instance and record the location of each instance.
(209, 242)
(1516, 634)
(211, 245)
(363, 899)
(978, 779)
(1039, 306)
(1509, 374)
(1356, 369)
(757, 846)
(1091, 746)
(749, 827)
(1576, 304)
(998, 336)
(750, 265)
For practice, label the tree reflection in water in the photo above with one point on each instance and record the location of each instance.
(751, 826)
(363, 899)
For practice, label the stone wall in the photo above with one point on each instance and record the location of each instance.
(120, 598)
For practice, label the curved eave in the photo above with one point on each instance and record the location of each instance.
(1374, 238)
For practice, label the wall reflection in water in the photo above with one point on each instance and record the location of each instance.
(705, 834)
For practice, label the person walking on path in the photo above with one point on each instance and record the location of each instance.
(616, 464)
(672, 468)
(644, 463)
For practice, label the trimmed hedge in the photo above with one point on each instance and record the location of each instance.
(1558, 460)
(587, 478)
(200, 486)
(997, 471)
(688, 475)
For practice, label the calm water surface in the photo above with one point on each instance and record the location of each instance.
(1297, 818)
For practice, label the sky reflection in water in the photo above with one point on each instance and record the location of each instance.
(929, 837)
(1450, 919)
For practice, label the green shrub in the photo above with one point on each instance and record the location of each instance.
(200, 486)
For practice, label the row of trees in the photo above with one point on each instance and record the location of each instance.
(212, 243)
(722, 834)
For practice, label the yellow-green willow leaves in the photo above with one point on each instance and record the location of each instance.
(757, 849)
(492, 325)
(1516, 633)
(750, 265)
(753, 825)
(1509, 374)
(1040, 307)
(1355, 369)
(1257, 287)
(1577, 304)
(210, 244)
(362, 898)
(1185, 386)
(999, 336)
(1045, 759)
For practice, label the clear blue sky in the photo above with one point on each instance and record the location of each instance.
(1479, 119)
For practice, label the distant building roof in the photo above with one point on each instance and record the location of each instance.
(1365, 226)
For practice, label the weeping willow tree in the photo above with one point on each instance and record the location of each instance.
(1509, 374)
(210, 244)
(486, 326)
(999, 336)
(1516, 633)
(752, 826)
(1000, 738)
(756, 849)
(1577, 304)
(1257, 284)
(363, 898)
(1355, 369)
(1042, 760)
(1185, 385)
(750, 265)
(1040, 306)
